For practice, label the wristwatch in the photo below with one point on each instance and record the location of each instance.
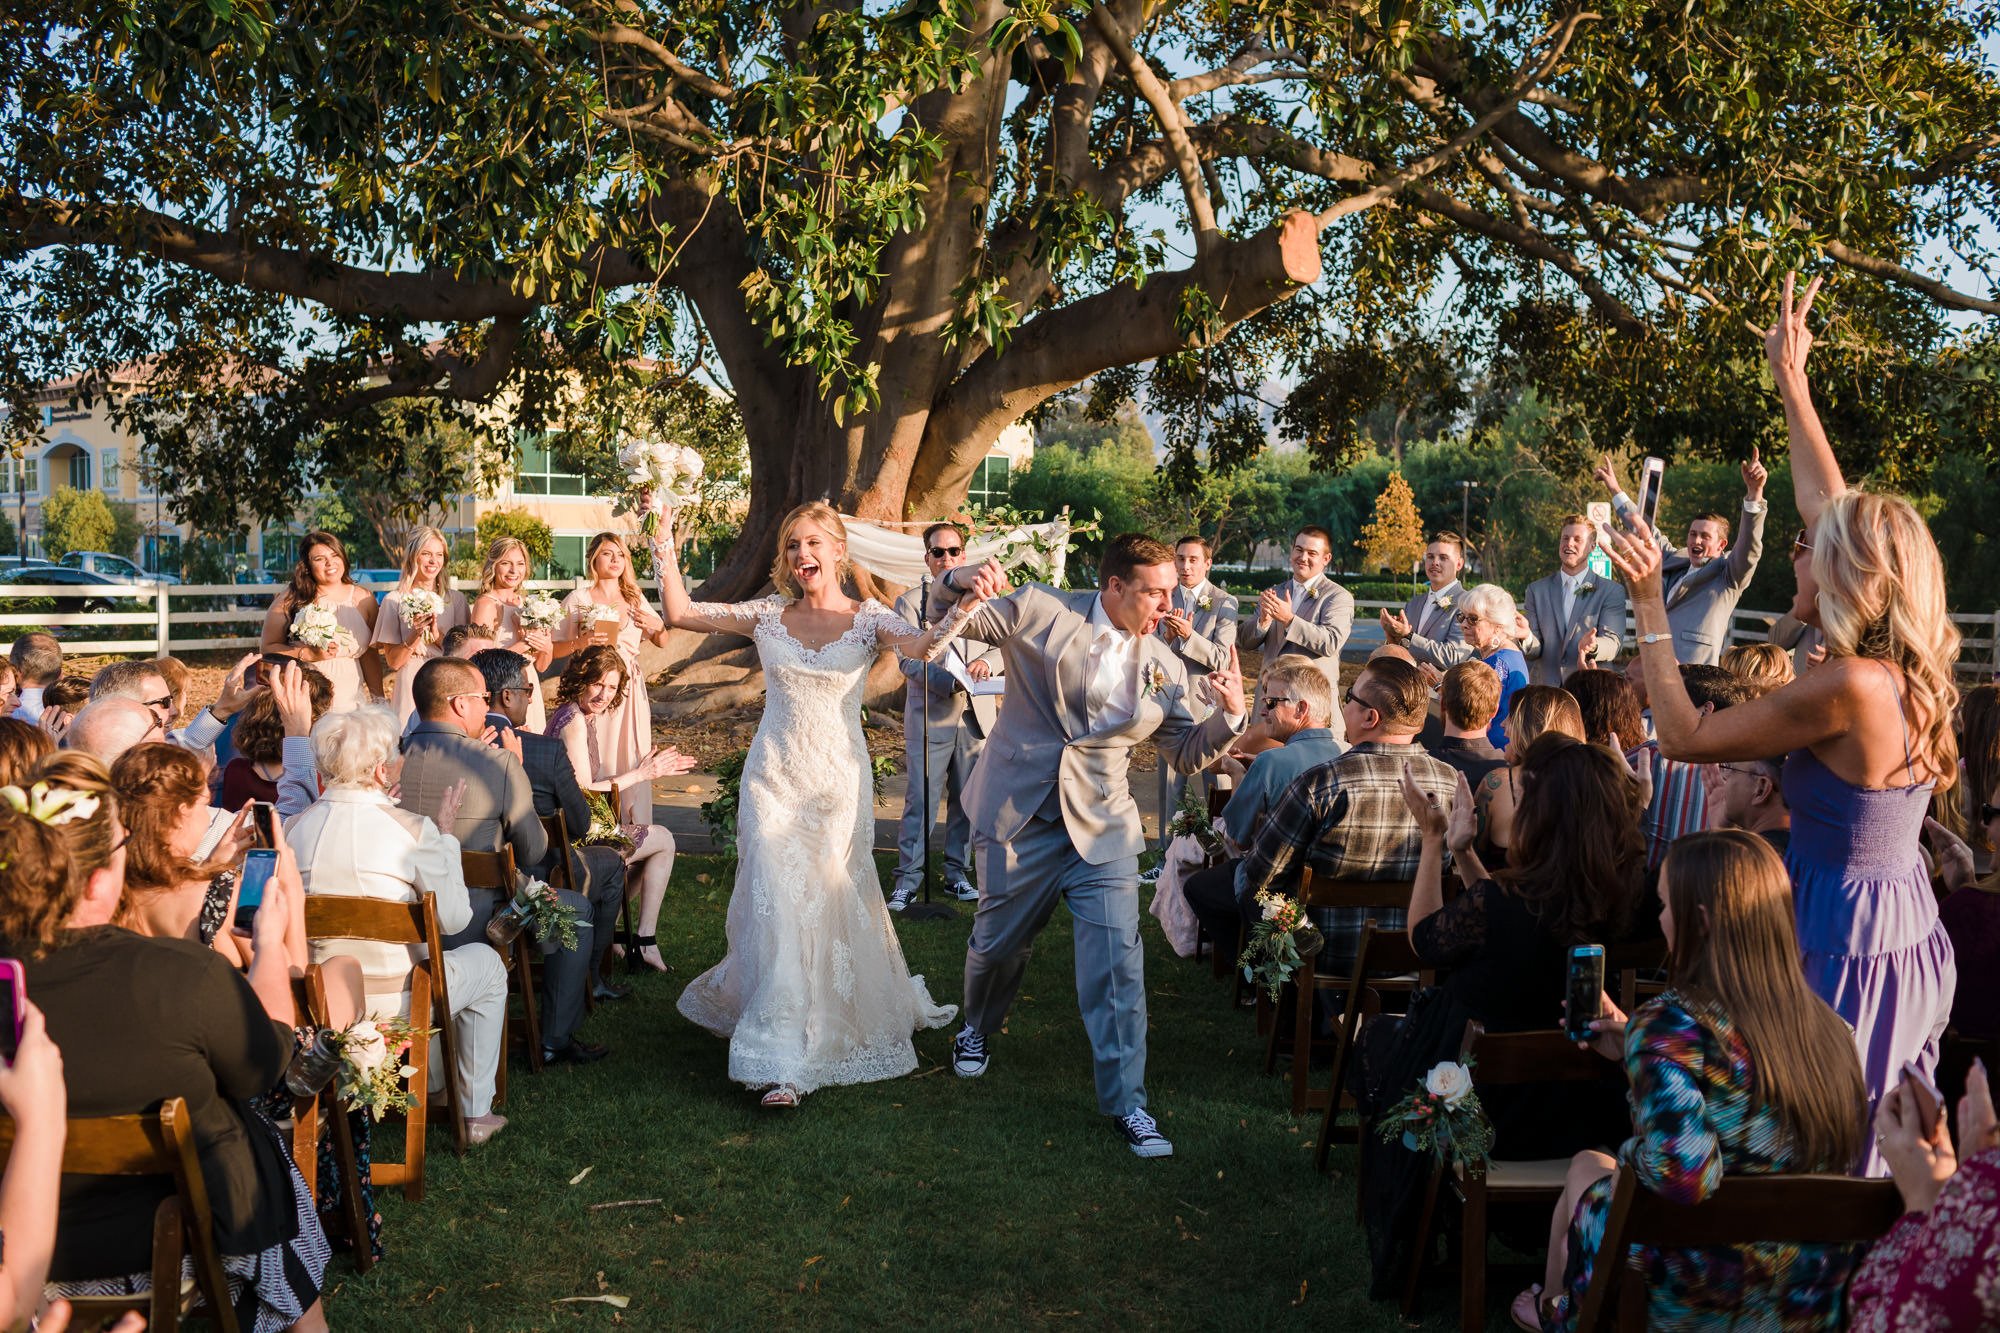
(1656, 638)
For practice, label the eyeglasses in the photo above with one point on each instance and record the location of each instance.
(1352, 698)
(1468, 617)
(1273, 701)
(506, 690)
(1746, 772)
(1799, 543)
(946, 552)
(164, 704)
(451, 699)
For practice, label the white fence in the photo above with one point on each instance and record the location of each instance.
(164, 618)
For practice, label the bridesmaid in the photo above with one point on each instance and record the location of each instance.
(499, 605)
(406, 647)
(322, 576)
(624, 731)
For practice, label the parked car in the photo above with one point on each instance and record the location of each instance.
(84, 604)
(114, 567)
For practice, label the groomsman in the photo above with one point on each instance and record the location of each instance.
(1704, 582)
(1574, 617)
(1428, 625)
(943, 730)
(1308, 615)
(1200, 626)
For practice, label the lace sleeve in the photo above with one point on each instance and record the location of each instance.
(895, 632)
(740, 613)
(1456, 931)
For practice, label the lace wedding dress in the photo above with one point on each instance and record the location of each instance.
(814, 990)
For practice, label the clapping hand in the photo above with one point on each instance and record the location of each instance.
(1396, 625)
(292, 698)
(1431, 820)
(1641, 773)
(1177, 625)
(1953, 857)
(1227, 685)
(1273, 608)
(1463, 829)
(666, 762)
(448, 808)
(1788, 342)
(56, 722)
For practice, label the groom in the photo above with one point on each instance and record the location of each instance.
(1051, 805)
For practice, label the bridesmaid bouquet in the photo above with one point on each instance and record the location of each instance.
(1443, 1117)
(1192, 821)
(373, 1077)
(660, 472)
(541, 611)
(421, 604)
(319, 628)
(1280, 940)
(538, 910)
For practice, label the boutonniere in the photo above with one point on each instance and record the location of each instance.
(1443, 603)
(1152, 680)
(1204, 603)
(1585, 587)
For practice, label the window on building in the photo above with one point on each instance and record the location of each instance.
(567, 560)
(541, 468)
(161, 552)
(22, 475)
(109, 468)
(989, 481)
(79, 470)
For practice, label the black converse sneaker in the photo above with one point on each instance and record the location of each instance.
(1143, 1137)
(904, 895)
(964, 891)
(968, 1054)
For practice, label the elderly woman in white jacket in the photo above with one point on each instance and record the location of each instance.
(355, 840)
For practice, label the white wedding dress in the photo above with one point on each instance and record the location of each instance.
(814, 990)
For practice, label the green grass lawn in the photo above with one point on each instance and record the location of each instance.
(927, 1202)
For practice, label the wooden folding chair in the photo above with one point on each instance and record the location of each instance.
(306, 1110)
(338, 917)
(495, 871)
(1744, 1210)
(160, 1143)
(628, 929)
(1303, 989)
(1385, 961)
(1637, 970)
(1501, 1058)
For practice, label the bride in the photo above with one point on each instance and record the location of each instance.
(814, 990)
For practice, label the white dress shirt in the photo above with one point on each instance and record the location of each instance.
(1113, 695)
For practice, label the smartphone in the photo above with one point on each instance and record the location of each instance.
(258, 866)
(260, 670)
(1651, 474)
(1930, 1102)
(14, 995)
(264, 819)
(1585, 992)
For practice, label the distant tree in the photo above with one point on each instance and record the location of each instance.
(126, 529)
(74, 520)
(10, 540)
(532, 532)
(1395, 537)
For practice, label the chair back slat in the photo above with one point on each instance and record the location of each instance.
(1527, 1057)
(1325, 891)
(489, 870)
(333, 916)
(556, 828)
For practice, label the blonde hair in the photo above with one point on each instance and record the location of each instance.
(1762, 666)
(827, 517)
(499, 549)
(1881, 596)
(413, 547)
(628, 582)
(349, 746)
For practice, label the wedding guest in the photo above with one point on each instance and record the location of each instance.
(1737, 1070)
(1200, 625)
(944, 729)
(22, 746)
(1538, 710)
(36, 1099)
(37, 660)
(141, 1020)
(322, 578)
(1468, 701)
(590, 689)
(1979, 764)
(1935, 1269)
(142, 681)
(1704, 583)
(1971, 917)
(1762, 666)
(1574, 619)
(502, 590)
(1347, 819)
(10, 689)
(466, 641)
(1486, 617)
(1750, 795)
(260, 764)
(1609, 707)
(354, 841)
(1680, 798)
(407, 641)
(1308, 615)
(613, 611)
(1427, 625)
(1868, 731)
(108, 728)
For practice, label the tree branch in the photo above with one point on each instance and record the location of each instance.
(1908, 277)
(1168, 112)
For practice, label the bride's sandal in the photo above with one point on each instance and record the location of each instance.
(647, 952)
(783, 1095)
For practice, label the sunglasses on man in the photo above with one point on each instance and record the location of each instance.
(946, 552)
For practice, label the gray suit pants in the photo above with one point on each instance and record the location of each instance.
(953, 751)
(565, 972)
(1020, 883)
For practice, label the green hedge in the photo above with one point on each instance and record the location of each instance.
(1256, 580)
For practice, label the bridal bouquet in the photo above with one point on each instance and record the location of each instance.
(420, 604)
(540, 610)
(317, 627)
(1443, 1117)
(1192, 821)
(373, 1077)
(1280, 940)
(662, 473)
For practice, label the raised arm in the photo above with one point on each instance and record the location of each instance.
(1748, 547)
(683, 612)
(891, 630)
(1816, 476)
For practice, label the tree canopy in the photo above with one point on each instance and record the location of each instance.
(893, 230)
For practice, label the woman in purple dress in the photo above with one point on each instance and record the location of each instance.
(1868, 734)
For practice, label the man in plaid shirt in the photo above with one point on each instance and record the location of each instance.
(1348, 818)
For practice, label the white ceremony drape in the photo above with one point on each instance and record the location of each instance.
(896, 555)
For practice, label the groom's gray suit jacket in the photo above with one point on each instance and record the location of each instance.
(1042, 757)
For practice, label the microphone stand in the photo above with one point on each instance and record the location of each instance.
(926, 910)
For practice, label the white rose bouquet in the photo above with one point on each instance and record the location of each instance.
(660, 474)
(372, 1076)
(1442, 1116)
(537, 908)
(1281, 939)
(420, 604)
(319, 628)
(540, 610)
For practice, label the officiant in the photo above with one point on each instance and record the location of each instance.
(944, 725)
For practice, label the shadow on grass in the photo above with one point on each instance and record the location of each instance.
(929, 1201)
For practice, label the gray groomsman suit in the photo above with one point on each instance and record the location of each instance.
(1434, 634)
(1553, 639)
(1321, 624)
(938, 716)
(1207, 649)
(1701, 601)
(1053, 818)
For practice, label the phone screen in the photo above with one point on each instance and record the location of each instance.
(1649, 493)
(1586, 990)
(258, 867)
(264, 816)
(13, 1007)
